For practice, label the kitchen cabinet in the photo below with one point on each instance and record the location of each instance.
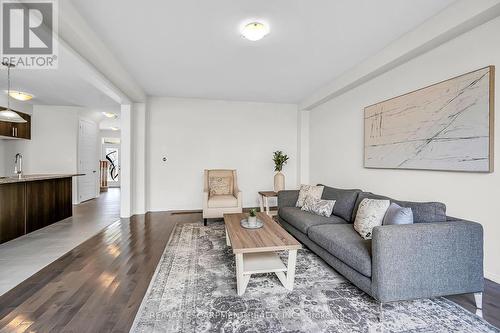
(12, 211)
(16, 130)
(32, 203)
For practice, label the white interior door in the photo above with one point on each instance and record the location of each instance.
(87, 160)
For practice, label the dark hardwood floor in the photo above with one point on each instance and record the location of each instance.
(491, 302)
(99, 285)
(96, 287)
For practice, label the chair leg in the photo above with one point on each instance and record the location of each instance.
(205, 222)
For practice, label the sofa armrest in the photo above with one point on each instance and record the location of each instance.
(239, 198)
(426, 260)
(287, 198)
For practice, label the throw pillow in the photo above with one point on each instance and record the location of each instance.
(398, 215)
(318, 206)
(309, 190)
(219, 185)
(370, 214)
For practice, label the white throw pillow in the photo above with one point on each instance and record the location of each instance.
(309, 190)
(318, 206)
(370, 214)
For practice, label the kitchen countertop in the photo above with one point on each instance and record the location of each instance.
(31, 178)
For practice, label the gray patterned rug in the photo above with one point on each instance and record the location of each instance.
(194, 290)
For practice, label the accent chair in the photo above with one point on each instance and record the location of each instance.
(221, 194)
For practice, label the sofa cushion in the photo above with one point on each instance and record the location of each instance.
(222, 201)
(423, 212)
(302, 220)
(343, 242)
(344, 200)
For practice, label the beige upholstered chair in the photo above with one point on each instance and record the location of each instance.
(220, 194)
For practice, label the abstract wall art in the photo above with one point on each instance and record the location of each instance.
(445, 126)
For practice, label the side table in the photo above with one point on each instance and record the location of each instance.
(264, 202)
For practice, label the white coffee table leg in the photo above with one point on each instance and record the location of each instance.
(241, 279)
(290, 270)
(288, 279)
(228, 242)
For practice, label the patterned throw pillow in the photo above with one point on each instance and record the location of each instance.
(370, 215)
(318, 206)
(219, 185)
(308, 190)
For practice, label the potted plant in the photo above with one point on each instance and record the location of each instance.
(279, 160)
(252, 216)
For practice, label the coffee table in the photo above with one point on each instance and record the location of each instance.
(256, 250)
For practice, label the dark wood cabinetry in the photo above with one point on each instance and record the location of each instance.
(32, 205)
(5, 128)
(16, 130)
(49, 201)
(12, 211)
(23, 130)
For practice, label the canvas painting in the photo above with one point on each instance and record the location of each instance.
(446, 126)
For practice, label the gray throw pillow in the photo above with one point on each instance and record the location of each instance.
(398, 215)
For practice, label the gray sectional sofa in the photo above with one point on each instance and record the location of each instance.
(437, 255)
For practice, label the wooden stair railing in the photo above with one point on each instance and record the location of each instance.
(104, 175)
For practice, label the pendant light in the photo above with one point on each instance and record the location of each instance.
(9, 115)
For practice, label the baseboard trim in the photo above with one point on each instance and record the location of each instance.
(493, 277)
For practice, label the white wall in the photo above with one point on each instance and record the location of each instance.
(139, 123)
(54, 136)
(336, 139)
(196, 134)
(53, 146)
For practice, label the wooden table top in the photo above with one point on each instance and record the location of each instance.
(268, 193)
(271, 237)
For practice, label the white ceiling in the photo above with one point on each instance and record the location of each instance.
(61, 86)
(192, 48)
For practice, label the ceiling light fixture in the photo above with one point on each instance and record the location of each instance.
(110, 115)
(20, 95)
(114, 128)
(255, 31)
(8, 114)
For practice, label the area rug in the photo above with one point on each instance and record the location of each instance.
(194, 290)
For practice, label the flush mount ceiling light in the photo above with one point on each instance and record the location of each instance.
(254, 31)
(110, 115)
(8, 114)
(20, 95)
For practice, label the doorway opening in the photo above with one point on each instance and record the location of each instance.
(110, 163)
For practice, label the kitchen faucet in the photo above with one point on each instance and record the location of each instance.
(18, 171)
